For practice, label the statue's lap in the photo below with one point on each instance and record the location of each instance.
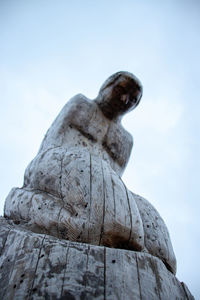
(77, 195)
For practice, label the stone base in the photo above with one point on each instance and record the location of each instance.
(38, 266)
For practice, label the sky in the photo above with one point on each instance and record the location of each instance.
(52, 50)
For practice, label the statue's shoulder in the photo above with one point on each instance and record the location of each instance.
(79, 101)
(77, 110)
(75, 107)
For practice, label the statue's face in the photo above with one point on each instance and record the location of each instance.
(121, 96)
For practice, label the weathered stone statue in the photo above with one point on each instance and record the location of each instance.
(73, 189)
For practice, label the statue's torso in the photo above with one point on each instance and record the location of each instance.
(82, 125)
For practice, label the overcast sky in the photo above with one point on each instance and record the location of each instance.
(52, 50)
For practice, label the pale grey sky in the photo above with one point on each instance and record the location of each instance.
(52, 50)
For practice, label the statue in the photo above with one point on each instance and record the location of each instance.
(73, 189)
(74, 231)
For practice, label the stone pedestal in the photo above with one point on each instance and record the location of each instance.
(38, 266)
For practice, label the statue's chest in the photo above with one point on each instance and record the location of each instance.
(90, 123)
(96, 131)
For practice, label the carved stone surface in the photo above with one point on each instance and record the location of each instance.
(38, 266)
(73, 191)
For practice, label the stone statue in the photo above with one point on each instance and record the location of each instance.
(73, 188)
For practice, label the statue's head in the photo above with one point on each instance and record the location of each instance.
(119, 94)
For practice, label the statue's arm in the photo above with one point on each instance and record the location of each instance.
(127, 148)
(72, 112)
(118, 143)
